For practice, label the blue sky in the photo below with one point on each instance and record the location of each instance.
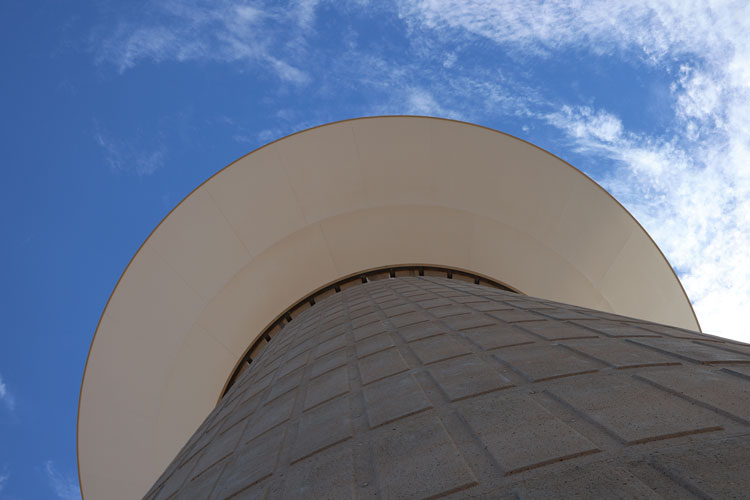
(113, 111)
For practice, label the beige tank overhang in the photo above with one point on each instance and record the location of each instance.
(321, 204)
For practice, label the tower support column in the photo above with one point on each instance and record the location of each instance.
(425, 387)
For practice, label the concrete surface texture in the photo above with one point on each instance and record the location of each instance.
(423, 387)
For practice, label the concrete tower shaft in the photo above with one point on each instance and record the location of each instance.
(425, 387)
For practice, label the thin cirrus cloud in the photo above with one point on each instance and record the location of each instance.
(229, 32)
(127, 157)
(65, 487)
(6, 397)
(687, 181)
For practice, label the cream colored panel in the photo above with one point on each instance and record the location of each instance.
(324, 171)
(202, 235)
(396, 235)
(400, 173)
(650, 286)
(145, 325)
(526, 263)
(190, 392)
(591, 230)
(130, 364)
(283, 274)
(103, 455)
(148, 277)
(255, 196)
(515, 176)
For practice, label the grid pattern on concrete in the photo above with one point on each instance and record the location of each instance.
(430, 388)
(356, 279)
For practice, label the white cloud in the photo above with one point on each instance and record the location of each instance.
(66, 488)
(4, 476)
(699, 96)
(6, 397)
(588, 126)
(449, 60)
(288, 72)
(125, 157)
(421, 102)
(304, 12)
(656, 29)
(223, 31)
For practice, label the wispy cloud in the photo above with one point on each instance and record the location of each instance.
(6, 396)
(223, 31)
(652, 30)
(125, 157)
(4, 477)
(65, 487)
